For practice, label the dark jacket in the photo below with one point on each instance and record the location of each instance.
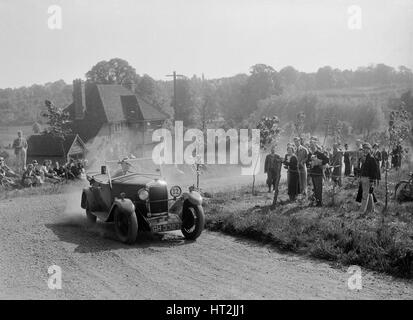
(369, 168)
(318, 170)
(272, 163)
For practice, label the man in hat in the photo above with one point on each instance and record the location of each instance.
(272, 168)
(20, 150)
(358, 155)
(347, 163)
(368, 176)
(125, 168)
(302, 157)
(377, 156)
(337, 164)
(317, 162)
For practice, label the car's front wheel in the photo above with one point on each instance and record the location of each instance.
(126, 226)
(193, 220)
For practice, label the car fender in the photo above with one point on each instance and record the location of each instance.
(87, 196)
(193, 197)
(125, 205)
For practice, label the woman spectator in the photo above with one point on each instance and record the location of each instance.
(30, 178)
(47, 171)
(291, 164)
(377, 157)
(347, 162)
(59, 170)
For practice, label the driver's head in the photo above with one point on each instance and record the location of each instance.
(125, 165)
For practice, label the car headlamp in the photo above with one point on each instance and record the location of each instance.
(175, 191)
(143, 194)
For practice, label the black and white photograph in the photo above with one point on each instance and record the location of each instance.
(206, 153)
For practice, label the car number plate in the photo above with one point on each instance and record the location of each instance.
(166, 227)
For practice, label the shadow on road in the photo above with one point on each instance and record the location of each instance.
(101, 237)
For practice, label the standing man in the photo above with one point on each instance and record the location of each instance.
(396, 158)
(20, 150)
(347, 163)
(384, 159)
(272, 168)
(318, 160)
(368, 176)
(302, 157)
(337, 164)
(377, 156)
(358, 154)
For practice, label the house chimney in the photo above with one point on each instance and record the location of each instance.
(78, 99)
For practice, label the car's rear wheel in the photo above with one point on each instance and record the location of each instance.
(193, 220)
(91, 218)
(126, 226)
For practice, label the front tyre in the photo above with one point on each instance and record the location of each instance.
(126, 226)
(193, 220)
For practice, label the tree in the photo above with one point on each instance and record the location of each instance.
(299, 124)
(58, 121)
(289, 76)
(114, 71)
(37, 128)
(398, 130)
(325, 78)
(184, 103)
(261, 84)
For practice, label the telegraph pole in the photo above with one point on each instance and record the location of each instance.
(174, 75)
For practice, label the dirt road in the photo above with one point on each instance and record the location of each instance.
(38, 232)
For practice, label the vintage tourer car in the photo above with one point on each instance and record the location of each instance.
(135, 200)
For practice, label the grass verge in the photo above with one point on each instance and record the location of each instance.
(335, 232)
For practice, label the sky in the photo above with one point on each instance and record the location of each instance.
(217, 38)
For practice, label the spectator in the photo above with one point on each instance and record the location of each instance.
(48, 172)
(20, 150)
(291, 164)
(368, 174)
(358, 154)
(59, 171)
(347, 163)
(272, 168)
(302, 157)
(6, 174)
(396, 156)
(318, 160)
(30, 178)
(384, 159)
(377, 156)
(38, 172)
(337, 164)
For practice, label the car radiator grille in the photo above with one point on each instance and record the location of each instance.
(158, 197)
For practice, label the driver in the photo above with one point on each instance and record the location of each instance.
(125, 168)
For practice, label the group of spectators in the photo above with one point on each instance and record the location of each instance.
(309, 163)
(35, 174)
